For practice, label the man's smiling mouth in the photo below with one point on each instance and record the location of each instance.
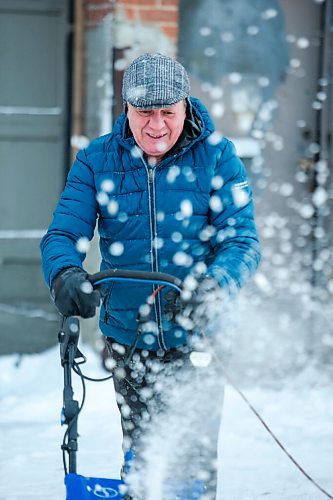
(153, 136)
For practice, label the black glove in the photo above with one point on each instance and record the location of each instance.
(190, 309)
(74, 295)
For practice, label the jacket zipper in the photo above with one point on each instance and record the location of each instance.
(154, 261)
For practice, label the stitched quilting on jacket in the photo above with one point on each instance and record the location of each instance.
(194, 207)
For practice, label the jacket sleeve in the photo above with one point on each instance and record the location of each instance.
(236, 251)
(74, 218)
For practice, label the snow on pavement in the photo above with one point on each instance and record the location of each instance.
(301, 416)
(251, 466)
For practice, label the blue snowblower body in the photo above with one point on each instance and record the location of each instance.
(90, 488)
(79, 487)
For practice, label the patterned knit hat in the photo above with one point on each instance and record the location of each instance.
(155, 81)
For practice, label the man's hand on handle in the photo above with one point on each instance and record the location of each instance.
(74, 295)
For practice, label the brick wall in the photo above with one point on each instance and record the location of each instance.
(96, 10)
(162, 14)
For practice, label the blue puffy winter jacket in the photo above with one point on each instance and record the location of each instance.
(194, 206)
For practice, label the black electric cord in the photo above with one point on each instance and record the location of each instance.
(262, 421)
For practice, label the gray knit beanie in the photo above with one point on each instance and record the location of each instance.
(155, 81)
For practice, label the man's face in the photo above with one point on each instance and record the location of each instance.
(156, 131)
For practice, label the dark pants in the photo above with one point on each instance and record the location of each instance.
(170, 412)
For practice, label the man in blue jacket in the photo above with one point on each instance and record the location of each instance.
(170, 195)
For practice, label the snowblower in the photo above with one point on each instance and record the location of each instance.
(80, 487)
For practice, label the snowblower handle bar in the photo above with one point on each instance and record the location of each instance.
(136, 277)
(69, 353)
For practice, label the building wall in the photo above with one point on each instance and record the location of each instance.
(118, 31)
(162, 14)
(115, 33)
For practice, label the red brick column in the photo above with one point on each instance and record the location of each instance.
(160, 13)
(96, 10)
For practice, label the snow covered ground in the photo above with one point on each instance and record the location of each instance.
(251, 465)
